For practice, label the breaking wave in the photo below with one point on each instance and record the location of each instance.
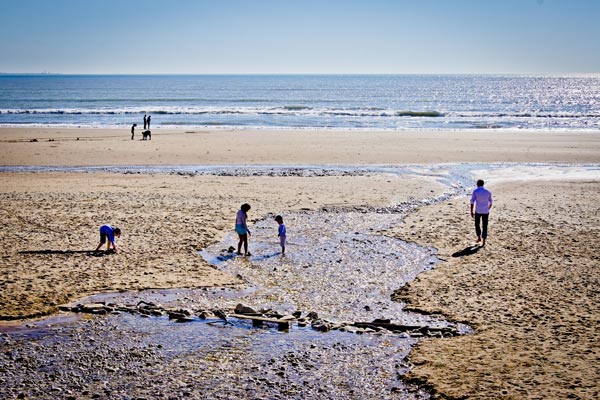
(294, 110)
(283, 110)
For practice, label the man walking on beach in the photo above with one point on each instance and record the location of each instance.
(481, 201)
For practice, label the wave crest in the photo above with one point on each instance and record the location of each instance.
(419, 114)
(280, 110)
(304, 111)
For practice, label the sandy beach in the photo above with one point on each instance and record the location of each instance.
(76, 147)
(531, 294)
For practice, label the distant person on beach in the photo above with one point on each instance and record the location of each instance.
(241, 227)
(133, 130)
(481, 203)
(281, 233)
(108, 232)
(148, 120)
(145, 122)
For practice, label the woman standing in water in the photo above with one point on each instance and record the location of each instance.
(241, 227)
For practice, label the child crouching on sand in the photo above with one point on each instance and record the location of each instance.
(241, 228)
(281, 233)
(108, 232)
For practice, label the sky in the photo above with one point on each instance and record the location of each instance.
(299, 37)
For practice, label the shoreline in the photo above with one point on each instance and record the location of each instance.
(282, 128)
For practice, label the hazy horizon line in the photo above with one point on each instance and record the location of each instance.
(287, 73)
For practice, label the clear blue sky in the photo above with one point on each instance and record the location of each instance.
(297, 36)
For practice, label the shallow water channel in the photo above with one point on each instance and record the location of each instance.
(339, 264)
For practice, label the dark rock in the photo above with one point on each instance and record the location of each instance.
(175, 315)
(381, 321)
(146, 303)
(179, 313)
(96, 308)
(186, 312)
(220, 314)
(312, 315)
(242, 309)
(203, 315)
(321, 326)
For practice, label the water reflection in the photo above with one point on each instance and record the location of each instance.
(337, 264)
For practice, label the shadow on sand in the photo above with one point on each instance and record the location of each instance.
(68, 252)
(265, 257)
(467, 251)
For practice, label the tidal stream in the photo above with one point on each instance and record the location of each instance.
(339, 264)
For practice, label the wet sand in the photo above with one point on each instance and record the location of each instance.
(291, 147)
(531, 293)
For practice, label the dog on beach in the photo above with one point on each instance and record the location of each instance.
(146, 135)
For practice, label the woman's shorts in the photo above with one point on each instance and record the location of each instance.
(241, 230)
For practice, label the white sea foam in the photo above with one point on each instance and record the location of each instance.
(212, 110)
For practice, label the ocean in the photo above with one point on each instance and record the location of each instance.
(394, 102)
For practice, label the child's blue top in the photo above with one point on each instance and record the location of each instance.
(108, 231)
(282, 231)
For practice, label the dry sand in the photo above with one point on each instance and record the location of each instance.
(202, 147)
(531, 294)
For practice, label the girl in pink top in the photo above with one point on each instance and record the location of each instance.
(241, 227)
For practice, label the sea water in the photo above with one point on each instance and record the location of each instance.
(303, 101)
